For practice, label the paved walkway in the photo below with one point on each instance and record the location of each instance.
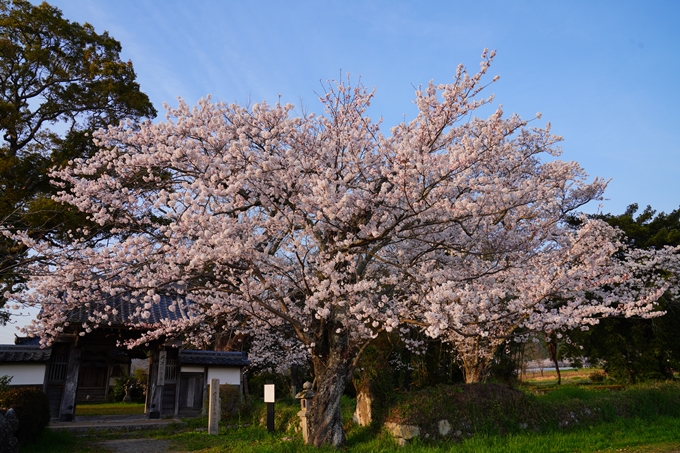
(136, 446)
(112, 423)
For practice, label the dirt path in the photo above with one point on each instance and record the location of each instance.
(136, 446)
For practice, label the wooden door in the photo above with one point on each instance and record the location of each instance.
(191, 391)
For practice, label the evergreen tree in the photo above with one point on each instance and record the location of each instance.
(59, 82)
(630, 349)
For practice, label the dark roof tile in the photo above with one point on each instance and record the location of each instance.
(193, 357)
(23, 353)
(122, 311)
(32, 341)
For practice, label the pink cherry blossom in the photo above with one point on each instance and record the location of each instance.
(314, 233)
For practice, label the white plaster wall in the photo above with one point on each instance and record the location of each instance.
(24, 373)
(226, 375)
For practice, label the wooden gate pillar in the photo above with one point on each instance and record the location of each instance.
(67, 409)
(158, 383)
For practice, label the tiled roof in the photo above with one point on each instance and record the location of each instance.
(23, 353)
(26, 341)
(193, 357)
(123, 312)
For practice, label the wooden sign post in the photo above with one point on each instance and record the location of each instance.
(269, 398)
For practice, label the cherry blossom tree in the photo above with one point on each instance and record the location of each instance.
(323, 230)
(571, 286)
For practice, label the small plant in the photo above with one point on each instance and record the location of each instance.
(4, 383)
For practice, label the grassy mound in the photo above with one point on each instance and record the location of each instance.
(497, 410)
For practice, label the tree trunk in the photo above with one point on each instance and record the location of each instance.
(246, 389)
(474, 370)
(326, 419)
(363, 412)
(552, 350)
(476, 355)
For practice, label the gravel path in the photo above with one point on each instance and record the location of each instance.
(136, 446)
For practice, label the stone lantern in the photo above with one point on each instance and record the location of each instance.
(305, 397)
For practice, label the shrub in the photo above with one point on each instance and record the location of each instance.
(232, 402)
(142, 377)
(597, 376)
(32, 408)
(117, 392)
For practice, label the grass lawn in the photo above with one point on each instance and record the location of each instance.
(109, 408)
(633, 435)
(643, 418)
(577, 376)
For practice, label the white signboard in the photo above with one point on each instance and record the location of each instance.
(269, 393)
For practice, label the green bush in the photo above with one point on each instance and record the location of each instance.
(142, 377)
(117, 392)
(597, 376)
(233, 404)
(32, 408)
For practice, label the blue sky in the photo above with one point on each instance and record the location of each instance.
(604, 73)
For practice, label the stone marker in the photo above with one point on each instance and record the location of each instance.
(9, 423)
(214, 414)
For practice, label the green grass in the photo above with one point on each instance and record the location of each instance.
(109, 408)
(490, 409)
(60, 442)
(642, 418)
(655, 435)
(534, 381)
(632, 435)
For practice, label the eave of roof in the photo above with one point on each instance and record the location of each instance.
(213, 358)
(24, 353)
